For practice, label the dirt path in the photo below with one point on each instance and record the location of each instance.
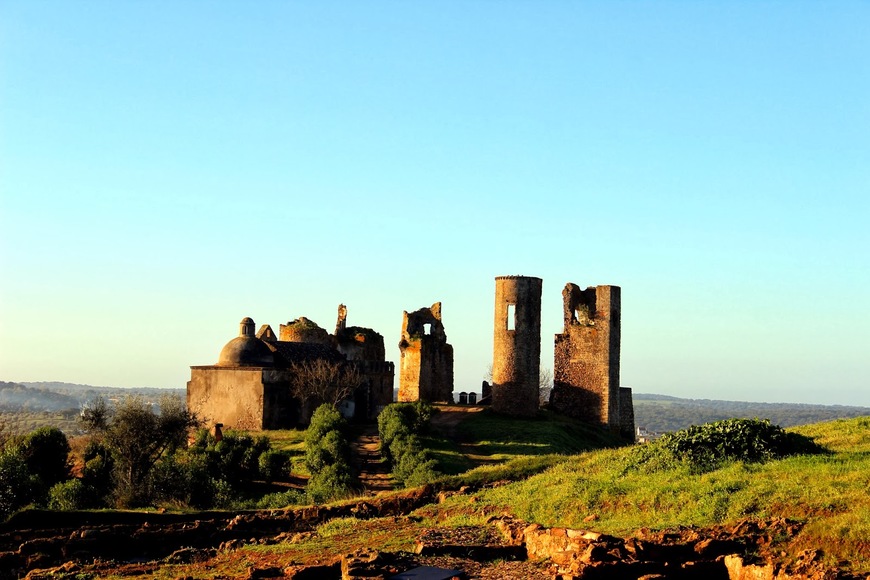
(374, 473)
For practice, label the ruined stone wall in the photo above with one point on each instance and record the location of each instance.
(232, 396)
(626, 413)
(426, 360)
(586, 356)
(361, 344)
(304, 330)
(378, 379)
(516, 361)
(281, 410)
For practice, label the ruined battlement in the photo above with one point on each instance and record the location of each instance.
(303, 330)
(586, 358)
(426, 359)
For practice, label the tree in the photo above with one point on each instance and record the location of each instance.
(138, 437)
(324, 381)
(45, 452)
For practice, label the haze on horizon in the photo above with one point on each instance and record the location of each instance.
(167, 169)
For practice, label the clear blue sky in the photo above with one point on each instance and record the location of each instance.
(167, 168)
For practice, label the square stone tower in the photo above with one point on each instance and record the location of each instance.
(426, 363)
(586, 359)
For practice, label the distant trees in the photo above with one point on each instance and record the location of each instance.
(323, 381)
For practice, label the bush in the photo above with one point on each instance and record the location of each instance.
(97, 472)
(399, 427)
(327, 456)
(325, 419)
(236, 457)
(46, 453)
(71, 495)
(273, 465)
(332, 482)
(15, 483)
(281, 499)
(706, 446)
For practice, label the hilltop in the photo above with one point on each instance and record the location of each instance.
(625, 509)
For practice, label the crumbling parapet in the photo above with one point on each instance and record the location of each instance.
(426, 363)
(304, 330)
(364, 348)
(516, 361)
(586, 359)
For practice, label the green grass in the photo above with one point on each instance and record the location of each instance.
(831, 493)
(489, 447)
(500, 438)
(291, 441)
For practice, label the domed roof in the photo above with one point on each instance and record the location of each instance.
(246, 350)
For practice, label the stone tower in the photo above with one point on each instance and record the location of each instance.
(516, 359)
(426, 364)
(586, 359)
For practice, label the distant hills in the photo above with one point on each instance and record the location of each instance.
(658, 413)
(56, 396)
(661, 413)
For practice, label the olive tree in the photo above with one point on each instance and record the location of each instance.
(138, 437)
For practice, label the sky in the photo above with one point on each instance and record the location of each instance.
(168, 168)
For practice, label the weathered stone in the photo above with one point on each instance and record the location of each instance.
(516, 359)
(250, 387)
(426, 360)
(586, 360)
(737, 570)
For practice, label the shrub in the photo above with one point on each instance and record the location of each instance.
(281, 499)
(327, 456)
(46, 453)
(399, 426)
(273, 464)
(706, 446)
(71, 495)
(325, 419)
(332, 482)
(236, 457)
(15, 482)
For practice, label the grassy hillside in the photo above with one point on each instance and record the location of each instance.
(829, 492)
(505, 447)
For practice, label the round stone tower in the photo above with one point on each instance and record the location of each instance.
(516, 359)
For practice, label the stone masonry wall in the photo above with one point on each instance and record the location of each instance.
(516, 359)
(626, 413)
(586, 356)
(230, 396)
(426, 361)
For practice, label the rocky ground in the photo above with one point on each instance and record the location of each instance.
(379, 538)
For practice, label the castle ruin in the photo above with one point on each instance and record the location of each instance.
(426, 360)
(250, 386)
(516, 361)
(586, 360)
